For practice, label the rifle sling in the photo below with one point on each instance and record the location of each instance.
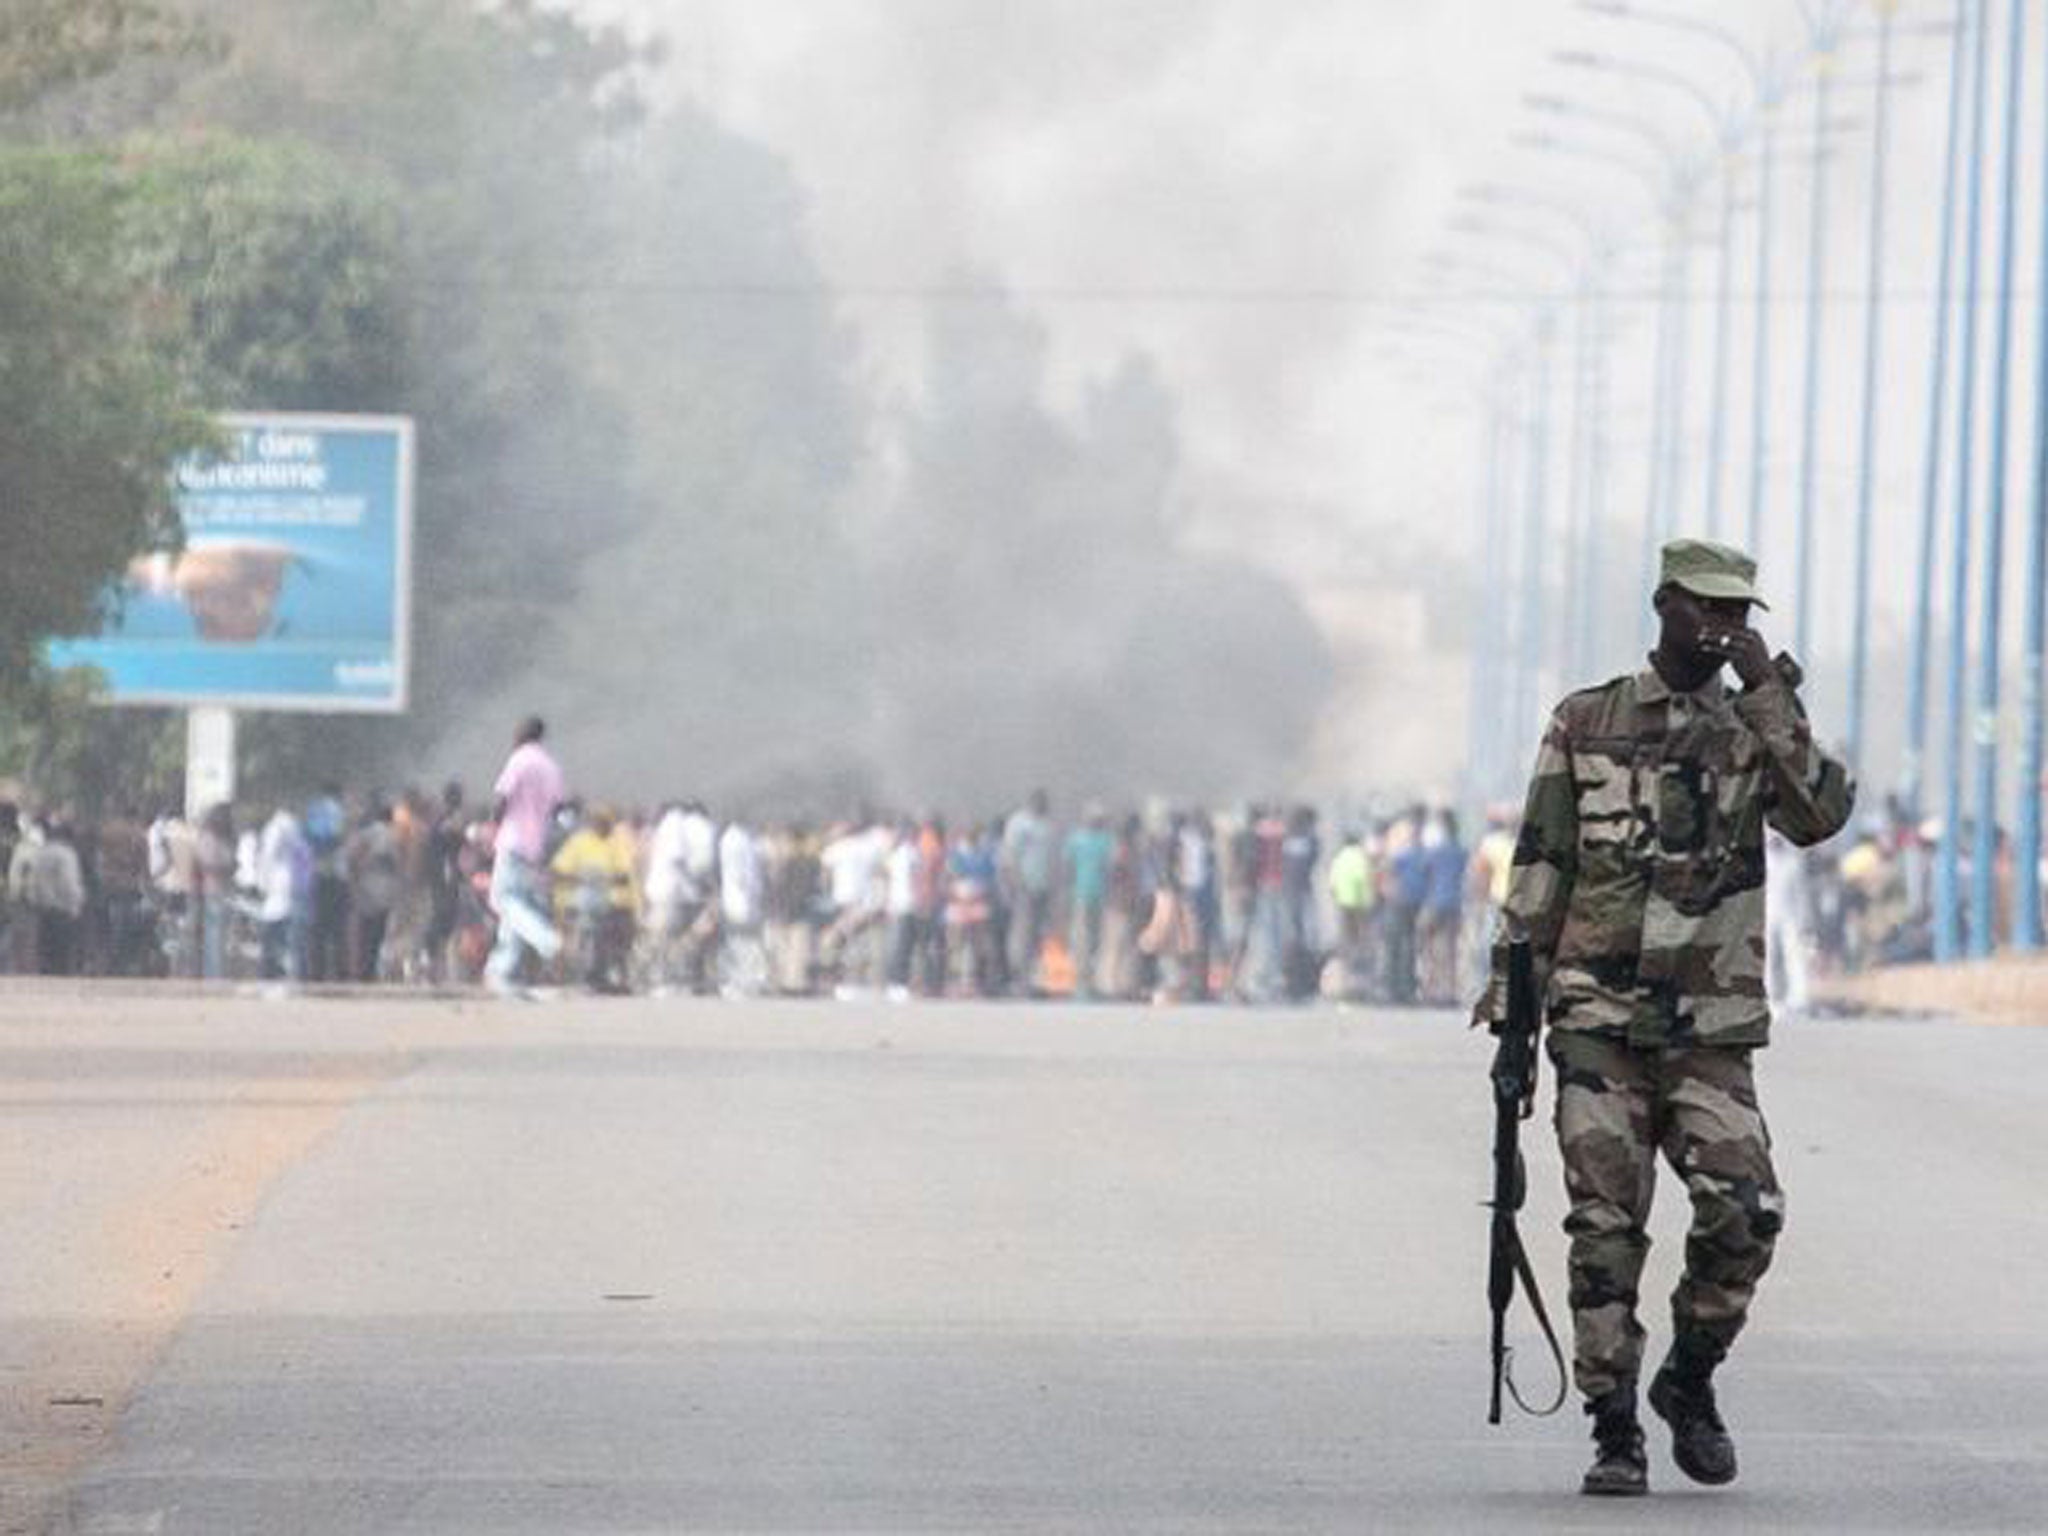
(1528, 1278)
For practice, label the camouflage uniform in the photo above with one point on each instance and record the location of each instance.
(1638, 880)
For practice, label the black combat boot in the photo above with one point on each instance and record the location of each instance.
(1682, 1393)
(1620, 1467)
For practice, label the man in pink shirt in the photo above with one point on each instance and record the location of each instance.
(528, 790)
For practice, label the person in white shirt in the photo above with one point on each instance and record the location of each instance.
(1786, 929)
(699, 835)
(21, 928)
(696, 895)
(283, 866)
(853, 862)
(665, 874)
(739, 910)
(673, 898)
(901, 907)
(54, 891)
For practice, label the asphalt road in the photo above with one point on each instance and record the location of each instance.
(332, 1267)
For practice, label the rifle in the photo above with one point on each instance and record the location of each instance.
(1514, 1099)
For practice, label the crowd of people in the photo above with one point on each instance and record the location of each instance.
(538, 887)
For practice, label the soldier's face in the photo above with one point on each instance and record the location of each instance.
(1693, 625)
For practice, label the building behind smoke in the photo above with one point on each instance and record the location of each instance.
(1394, 725)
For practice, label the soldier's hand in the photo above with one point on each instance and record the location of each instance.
(1744, 649)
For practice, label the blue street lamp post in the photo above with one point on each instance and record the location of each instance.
(1769, 94)
(1483, 736)
(1592, 499)
(1727, 135)
(1760, 361)
(1984, 857)
(1873, 342)
(1584, 499)
(1915, 766)
(1536, 514)
(1948, 943)
(1660, 384)
(1668, 383)
(1724, 305)
(1816, 318)
(2027, 933)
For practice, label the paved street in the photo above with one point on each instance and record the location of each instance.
(340, 1266)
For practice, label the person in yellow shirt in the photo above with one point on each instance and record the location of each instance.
(629, 844)
(1873, 895)
(1486, 888)
(593, 872)
(1494, 858)
(1354, 890)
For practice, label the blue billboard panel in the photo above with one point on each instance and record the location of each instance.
(293, 588)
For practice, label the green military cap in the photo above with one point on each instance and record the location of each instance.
(1710, 570)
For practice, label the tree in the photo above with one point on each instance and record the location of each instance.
(276, 267)
(94, 405)
(151, 285)
(56, 734)
(281, 270)
(629, 459)
(490, 125)
(49, 45)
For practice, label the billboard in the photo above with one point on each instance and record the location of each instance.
(294, 586)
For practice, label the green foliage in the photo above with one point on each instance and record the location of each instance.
(94, 403)
(47, 46)
(622, 451)
(487, 123)
(640, 419)
(57, 736)
(277, 268)
(147, 286)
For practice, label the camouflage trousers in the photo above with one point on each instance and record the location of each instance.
(1617, 1109)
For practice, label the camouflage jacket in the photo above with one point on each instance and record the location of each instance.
(1639, 874)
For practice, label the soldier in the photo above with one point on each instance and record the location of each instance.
(1638, 880)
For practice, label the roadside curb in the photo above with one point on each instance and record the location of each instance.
(2006, 991)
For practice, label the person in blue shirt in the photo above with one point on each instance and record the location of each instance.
(1089, 848)
(1443, 907)
(970, 906)
(324, 825)
(1300, 850)
(1407, 885)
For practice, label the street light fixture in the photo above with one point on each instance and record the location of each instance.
(1596, 330)
(1668, 382)
(1650, 176)
(1728, 131)
(1586, 450)
(1761, 74)
(1497, 229)
(1590, 435)
(1718, 116)
(1525, 663)
(1494, 284)
(1626, 122)
(1769, 80)
(1488, 194)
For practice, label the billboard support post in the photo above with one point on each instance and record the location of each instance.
(209, 759)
